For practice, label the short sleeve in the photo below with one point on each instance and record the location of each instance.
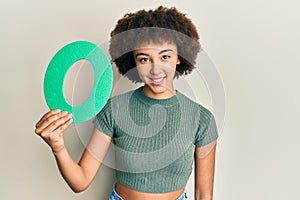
(104, 120)
(207, 129)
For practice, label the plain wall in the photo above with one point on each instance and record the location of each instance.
(254, 45)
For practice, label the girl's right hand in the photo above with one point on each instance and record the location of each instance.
(51, 128)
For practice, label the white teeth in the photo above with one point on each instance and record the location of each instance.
(157, 80)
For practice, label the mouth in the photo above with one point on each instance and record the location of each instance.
(157, 81)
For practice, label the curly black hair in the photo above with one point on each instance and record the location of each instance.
(157, 26)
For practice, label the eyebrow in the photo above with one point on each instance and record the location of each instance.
(144, 54)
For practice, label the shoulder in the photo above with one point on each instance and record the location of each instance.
(197, 107)
(201, 115)
(122, 95)
(120, 98)
(114, 102)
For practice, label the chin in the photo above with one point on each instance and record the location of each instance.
(158, 89)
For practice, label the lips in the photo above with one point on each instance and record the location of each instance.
(157, 81)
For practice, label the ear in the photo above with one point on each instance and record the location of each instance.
(178, 61)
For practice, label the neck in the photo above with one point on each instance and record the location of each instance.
(164, 94)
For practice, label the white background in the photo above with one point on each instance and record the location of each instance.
(254, 44)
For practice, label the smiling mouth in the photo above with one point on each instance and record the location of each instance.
(157, 81)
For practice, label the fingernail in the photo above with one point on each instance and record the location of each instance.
(56, 111)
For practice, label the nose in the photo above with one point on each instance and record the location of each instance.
(155, 67)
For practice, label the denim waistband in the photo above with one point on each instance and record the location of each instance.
(116, 196)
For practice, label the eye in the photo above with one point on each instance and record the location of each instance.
(165, 57)
(144, 60)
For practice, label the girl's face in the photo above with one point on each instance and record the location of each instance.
(156, 65)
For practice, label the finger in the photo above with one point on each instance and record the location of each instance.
(64, 126)
(57, 123)
(49, 120)
(46, 115)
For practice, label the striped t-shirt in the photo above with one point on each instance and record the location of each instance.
(155, 139)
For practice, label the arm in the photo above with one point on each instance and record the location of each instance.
(78, 176)
(204, 171)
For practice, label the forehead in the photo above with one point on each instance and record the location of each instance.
(150, 46)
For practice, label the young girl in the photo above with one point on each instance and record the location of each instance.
(157, 131)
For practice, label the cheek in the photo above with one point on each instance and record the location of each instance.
(143, 70)
(172, 66)
(169, 71)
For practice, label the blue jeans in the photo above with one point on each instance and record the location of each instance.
(115, 196)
